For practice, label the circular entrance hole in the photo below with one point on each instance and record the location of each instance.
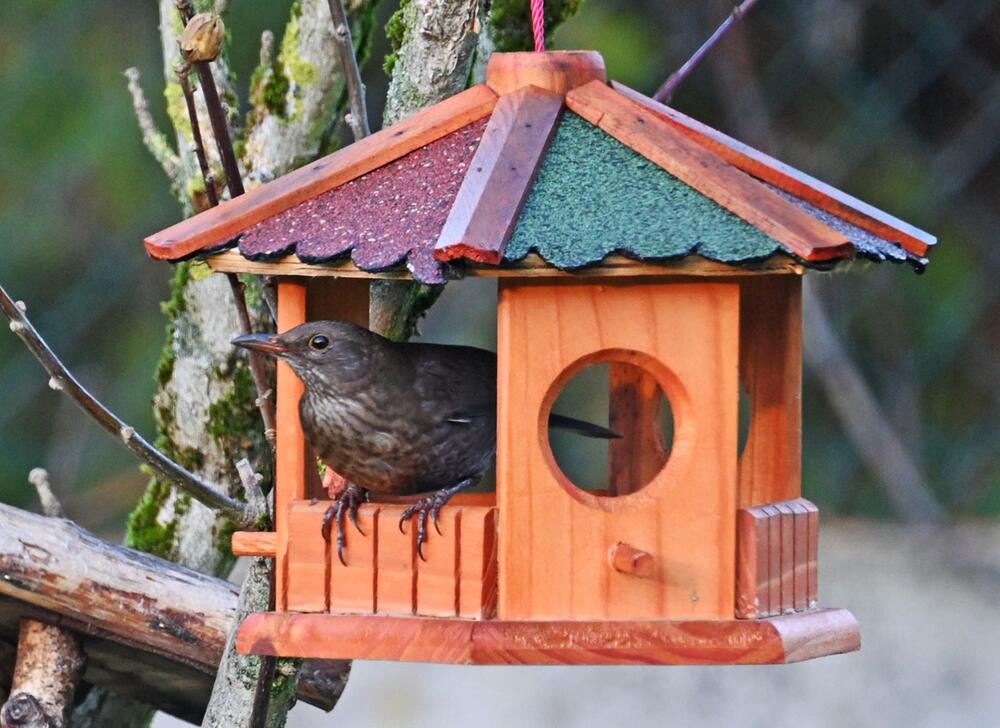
(622, 397)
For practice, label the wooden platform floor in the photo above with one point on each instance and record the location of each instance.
(784, 639)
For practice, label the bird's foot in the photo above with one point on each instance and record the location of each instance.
(346, 506)
(430, 505)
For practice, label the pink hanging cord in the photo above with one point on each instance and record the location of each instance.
(538, 24)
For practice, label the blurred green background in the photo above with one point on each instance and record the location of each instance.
(896, 102)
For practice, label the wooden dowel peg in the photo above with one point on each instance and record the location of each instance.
(630, 560)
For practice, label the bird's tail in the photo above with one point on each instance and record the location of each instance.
(581, 427)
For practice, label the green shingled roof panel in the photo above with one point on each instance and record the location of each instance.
(595, 196)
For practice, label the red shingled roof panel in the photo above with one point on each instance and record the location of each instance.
(393, 213)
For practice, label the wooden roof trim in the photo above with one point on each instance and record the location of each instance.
(532, 266)
(767, 168)
(220, 224)
(660, 142)
(500, 176)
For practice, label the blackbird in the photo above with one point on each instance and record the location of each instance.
(395, 418)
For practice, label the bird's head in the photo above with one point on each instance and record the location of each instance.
(322, 353)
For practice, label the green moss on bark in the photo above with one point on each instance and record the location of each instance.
(510, 21)
(395, 33)
(172, 308)
(235, 418)
(145, 532)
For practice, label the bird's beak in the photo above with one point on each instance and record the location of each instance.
(265, 343)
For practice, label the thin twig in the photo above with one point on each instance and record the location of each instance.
(62, 380)
(183, 70)
(357, 119)
(155, 140)
(678, 77)
(51, 507)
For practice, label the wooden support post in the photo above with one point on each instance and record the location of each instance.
(50, 662)
(634, 413)
(290, 460)
(770, 467)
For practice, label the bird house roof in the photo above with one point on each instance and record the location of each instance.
(544, 167)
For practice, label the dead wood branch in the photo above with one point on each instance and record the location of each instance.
(357, 119)
(50, 662)
(63, 381)
(151, 629)
(678, 77)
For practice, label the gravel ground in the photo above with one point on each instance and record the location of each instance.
(930, 624)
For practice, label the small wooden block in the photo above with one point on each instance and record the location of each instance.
(627, 559)
(396, 554)
(557, 71)
(801, 558)
(751, 563)
(812, 555)
(500, 176)
(307, 558)
(644, 131)
(255, 543)
(477, 565)
(352, 587)
(773, 561)
(787, 529)
(437, 576)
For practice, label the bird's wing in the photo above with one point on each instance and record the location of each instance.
(455, 384)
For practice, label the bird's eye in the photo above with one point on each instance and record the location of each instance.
(318, 342)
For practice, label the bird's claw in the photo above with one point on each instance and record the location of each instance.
(346, 506)
(429, 505)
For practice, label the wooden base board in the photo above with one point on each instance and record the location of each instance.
(789, 638)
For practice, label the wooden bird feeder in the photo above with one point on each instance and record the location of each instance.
(621, 231)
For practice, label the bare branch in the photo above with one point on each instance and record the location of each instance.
(51, 507)
(155, 141)
(357, 119)
(866, 424)
(678, 77)
(163, 466)
(221, 131)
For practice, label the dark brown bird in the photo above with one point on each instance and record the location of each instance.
(395, 418)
